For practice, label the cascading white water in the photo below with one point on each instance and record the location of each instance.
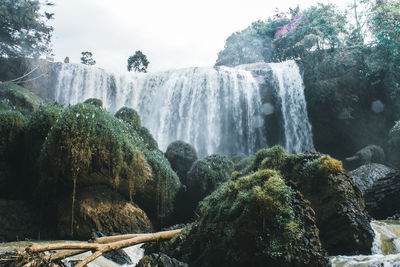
(385, 248)
(298, 135)
(215, 109)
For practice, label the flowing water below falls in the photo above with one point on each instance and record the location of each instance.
(218, 110)
(385, 249)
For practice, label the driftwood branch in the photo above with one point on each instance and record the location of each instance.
(98, 245)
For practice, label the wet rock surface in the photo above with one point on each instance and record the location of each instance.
(383, 198)
(365, 175)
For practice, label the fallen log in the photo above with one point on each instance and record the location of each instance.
(100, 245)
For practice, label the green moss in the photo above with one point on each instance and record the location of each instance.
(181, 155)
(130, 116)
(206, 175)
(88, 146)
(244, 164)
(148, 139)
(159, 193)
(95, 102)
(250, 221)
(88, 143)
(330, 165)
(268, 158)
(19, 98)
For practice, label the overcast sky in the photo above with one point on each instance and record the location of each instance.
(172, 33)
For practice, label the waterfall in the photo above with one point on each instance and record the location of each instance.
(298, 135)
(217, 110)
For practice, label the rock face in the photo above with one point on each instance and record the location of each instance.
(365, 175)
(383, 198)
(18, 221)
(160, 260)
(19, 98)
(100, 209)
(338, 203)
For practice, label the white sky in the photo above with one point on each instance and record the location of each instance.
(172, 33)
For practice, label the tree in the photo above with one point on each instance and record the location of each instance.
(138, 62)
(87, 58)
(23, 29)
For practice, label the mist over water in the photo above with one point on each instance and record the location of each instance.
(218, 110)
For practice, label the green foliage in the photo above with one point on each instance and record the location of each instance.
(95, 102)
(138, 62)
(181, 155)
(130, 116)
(250, 221)
(24, 32)
(320, 27)
(19, 98)
(148, 139)
(87, 58)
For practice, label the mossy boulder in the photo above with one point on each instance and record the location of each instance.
(130, 116)
(88, 146)
(181, 155)
(12, 129)
(368, 154)
(19, 98)
(95, 102)
(100, 209)
(338, 203)
(256, 220)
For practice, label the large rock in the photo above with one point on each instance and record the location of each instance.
(383, 198)
(255, 220)
(100, 209)
(365, 175)
(368, 154)
(338, 203)
(88, 146)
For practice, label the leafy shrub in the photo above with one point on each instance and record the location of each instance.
(130, 116)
